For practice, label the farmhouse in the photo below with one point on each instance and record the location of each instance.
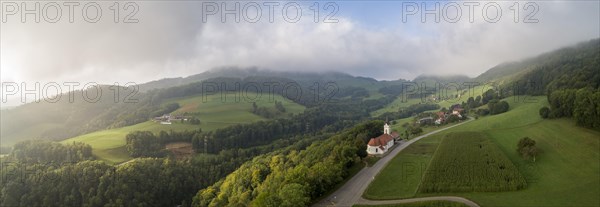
(441, 117)
(167, 118)
(381, 144)
(457, 111)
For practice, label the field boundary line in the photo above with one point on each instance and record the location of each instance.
(363, 201)
(429, 164)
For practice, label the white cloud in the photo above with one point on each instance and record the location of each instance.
(171, 41)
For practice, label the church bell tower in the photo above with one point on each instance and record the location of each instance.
(386, 127)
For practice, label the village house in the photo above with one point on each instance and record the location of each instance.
(441, 117)
(457, 111)
(164, 119)
(168, 118)
(381, 144)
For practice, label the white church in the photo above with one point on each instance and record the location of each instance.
(381, 144)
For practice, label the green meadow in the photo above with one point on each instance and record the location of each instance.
(566, 173)
(421, 204)
(228, 108)
(402, 176)
(401, 101)
(109, 145)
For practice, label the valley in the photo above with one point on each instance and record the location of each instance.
(564, 161)
(109, 145)
(456, 145)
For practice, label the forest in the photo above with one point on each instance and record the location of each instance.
(570, 78)
(157, 179)
(583, 105)
(43, 175)
(290, 177)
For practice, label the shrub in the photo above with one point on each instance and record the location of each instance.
(498, 108)
(545, 112)
(483, 112)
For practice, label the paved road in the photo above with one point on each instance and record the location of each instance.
(351, 192)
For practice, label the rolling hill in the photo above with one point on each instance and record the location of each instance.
(109, 145)
(567, 176)
(568, 165)
(69, 118)
(576, 67)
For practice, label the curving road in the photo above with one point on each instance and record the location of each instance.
(351, 192)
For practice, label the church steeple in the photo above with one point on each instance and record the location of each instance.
(386, 127)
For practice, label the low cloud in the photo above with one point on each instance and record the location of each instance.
(171, 40)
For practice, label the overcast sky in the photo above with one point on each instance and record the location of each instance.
(170, 39)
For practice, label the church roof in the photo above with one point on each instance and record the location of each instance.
(384, 138)
(380, 140)
(373, 142)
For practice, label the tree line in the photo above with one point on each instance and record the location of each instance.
(583, 105)
(147, 144)
(167, 182)
(568, 68)
(409, 111)
(328, 117)
(43, 151)
(267, 112)
(141, 182)
(290, 177)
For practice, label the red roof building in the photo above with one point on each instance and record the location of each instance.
(382, 143)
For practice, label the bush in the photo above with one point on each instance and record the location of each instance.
(483, 112)
(452, 118)
(415, 130)
(498, 107)
(545, 112)
(194, 121)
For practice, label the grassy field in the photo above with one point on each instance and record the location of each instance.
(421, 204)
(400, 101)
(402, 176)
(395, 105)
(213, 108)
(426, 129)
(566, 173)
(109, 145)
(470, 162)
